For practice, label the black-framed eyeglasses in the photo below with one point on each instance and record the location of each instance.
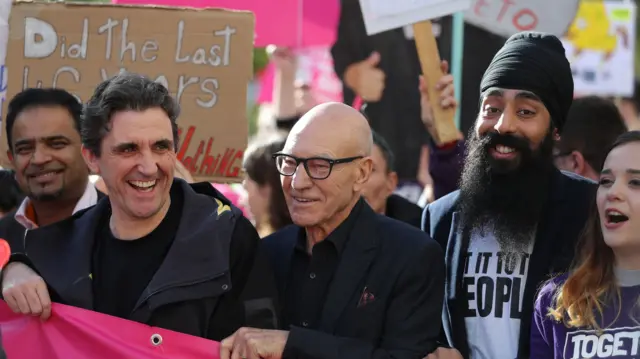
(318, 168)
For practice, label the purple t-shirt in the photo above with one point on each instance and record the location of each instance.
(619, 339)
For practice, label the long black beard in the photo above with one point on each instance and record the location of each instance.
(504, 197)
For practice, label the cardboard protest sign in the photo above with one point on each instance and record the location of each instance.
(600, 45)
(508, 17)
(383, 15)
(204, 58)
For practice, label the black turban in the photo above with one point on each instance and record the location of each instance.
(535, 62)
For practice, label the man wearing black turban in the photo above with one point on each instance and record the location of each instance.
(515, 218)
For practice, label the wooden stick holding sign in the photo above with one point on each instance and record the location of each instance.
(444, 119)
(384, 15)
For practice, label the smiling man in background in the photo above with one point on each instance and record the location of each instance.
(43, 135)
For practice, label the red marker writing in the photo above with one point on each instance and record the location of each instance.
(5, 252)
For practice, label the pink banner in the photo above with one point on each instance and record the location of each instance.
(292, 23)
(77, 333)
(315, 68)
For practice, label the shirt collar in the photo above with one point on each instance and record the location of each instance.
(340, 235)
(26, 216)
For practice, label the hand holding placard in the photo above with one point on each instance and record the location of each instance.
(379, 16)
(366, 79)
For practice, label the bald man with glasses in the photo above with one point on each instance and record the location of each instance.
(353, 283)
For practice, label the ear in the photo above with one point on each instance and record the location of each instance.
(91, 160)
(580, 164)
(392, 181)
(10, 155)
(556, 135)
(364, 172)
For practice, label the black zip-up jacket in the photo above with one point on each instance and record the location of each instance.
(203, 286)
(15, 234)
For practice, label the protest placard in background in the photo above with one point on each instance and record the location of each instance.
(383, 15)
(600, 45)
(507, 17)
(203, 56)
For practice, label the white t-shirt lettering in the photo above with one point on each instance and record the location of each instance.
(494, 284)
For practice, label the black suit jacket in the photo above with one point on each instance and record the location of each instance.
(563, 219)
(399, 265)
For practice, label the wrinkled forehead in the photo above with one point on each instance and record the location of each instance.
(313, 143)
(509, 94)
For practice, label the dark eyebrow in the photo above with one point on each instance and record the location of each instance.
(124, 146)
(164, 142)
(45, 139)
(631, 171)
(27, 141)
(526, 95)
(496, 92)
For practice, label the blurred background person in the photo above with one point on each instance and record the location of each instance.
(378, 190)
(264, 195)
(593, 124)
(629, 108)
(10, 194)
(292, 95)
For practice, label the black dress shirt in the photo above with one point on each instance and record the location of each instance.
(310, 275)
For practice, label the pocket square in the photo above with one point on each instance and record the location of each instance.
(366, 298)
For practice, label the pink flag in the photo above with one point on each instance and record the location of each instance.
(315, 68)
(292, 23)
(78, 333)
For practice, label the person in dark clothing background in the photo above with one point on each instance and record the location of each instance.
(10, 194)
(593, 124)
(156, 250)
(378, 190)
(516, 218)
(354, 284)
(383, 70)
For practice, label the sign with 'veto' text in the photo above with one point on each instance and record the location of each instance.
(508, 17)
(204, 58)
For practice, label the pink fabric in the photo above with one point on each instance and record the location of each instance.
(315, 68)
(357, 103)
(293, 23)
(78, 333)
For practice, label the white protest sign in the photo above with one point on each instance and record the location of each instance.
(383, 15)
(600, 45)
(508, 17)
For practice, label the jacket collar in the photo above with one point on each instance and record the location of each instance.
(62, 253)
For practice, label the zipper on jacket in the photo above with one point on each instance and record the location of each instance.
(24, 240)
(183, 284)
